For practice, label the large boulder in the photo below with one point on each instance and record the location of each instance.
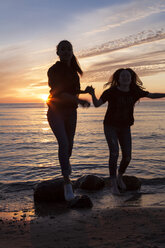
(90, 182)
(82, 201)
(132, 182)
(50, 191)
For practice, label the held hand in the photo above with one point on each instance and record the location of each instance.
(86, 90)
(84, 103)
(90, 90)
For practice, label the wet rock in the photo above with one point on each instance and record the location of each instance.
(49, 191)
(90, 182)
(82, 201)
(132, 182)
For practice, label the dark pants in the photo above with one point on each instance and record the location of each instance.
(114, 137)
(63, 125)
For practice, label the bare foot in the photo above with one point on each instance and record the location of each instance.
(68, 192)
(121, 183)
(114, 187)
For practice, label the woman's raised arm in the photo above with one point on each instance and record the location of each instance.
(91, 91)
(155, 95)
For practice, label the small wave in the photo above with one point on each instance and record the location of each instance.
(152, 136)
(18, 186)
(27, 147)
(29, 185)
(153, 181)
(23, 105)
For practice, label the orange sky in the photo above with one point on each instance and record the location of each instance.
(105, 37)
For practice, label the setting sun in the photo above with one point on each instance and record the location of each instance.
(44, 97)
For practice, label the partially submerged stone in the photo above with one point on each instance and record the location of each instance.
(132, 182)
(90, 182)
(82, 201)
(50, 191)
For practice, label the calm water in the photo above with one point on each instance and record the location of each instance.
(28, 151)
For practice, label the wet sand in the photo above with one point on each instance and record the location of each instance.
(131, 227)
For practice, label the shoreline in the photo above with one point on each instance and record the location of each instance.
(131, 227)
(102, 199)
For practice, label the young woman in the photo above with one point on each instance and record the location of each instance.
(64, 82)
(124, 91)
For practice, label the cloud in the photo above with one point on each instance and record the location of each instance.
(144, 52)
(118, 15)
(129, 41)
(145, 58)
(18, 65)
(14, 71)
(106, 20)
(145, 65)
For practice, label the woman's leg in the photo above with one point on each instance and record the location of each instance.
(126, 147)
(112, 140)
(56, 122)
(70, 127)
(125, 141)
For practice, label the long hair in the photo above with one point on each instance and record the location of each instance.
(74, 62)
(135, 80)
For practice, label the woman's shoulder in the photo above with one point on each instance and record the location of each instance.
(140, 91)
(55, 67)
(110, 90)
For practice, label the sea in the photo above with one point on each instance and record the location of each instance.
(29, 154)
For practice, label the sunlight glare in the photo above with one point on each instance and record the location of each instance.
(44, 97)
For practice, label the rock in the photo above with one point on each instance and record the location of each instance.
(82, 201)
(132, 182)
(50, 191)
(90, 182)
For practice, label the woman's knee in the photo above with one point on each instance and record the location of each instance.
(114, 155)
(126, 159)
(64, 147)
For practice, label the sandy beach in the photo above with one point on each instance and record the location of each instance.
(130, 227)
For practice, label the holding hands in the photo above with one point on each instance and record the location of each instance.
(90, 90)
(85, 103)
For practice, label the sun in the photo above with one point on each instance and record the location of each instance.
(44, 97)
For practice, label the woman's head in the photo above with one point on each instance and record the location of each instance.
(126, 77)
(65, 53)
(65, 50)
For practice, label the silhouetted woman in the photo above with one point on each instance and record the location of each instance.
(64, 82)
(125, 90)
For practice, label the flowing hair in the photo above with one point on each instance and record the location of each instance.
(74, 62)
(136, 83)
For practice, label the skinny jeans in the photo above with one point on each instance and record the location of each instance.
(116, 136)
(63, 124)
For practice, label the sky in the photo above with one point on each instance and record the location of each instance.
(106, 35)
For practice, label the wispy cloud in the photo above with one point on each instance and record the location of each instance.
(145, 65)
(38, 85)
(129, 41)
(144, 52)
(119, 15)
(18, 76)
